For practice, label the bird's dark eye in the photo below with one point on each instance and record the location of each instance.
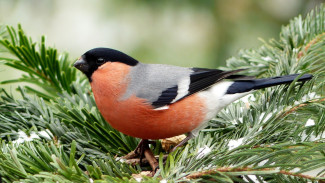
(100, 61)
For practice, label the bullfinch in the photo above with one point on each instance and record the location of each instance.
(155, 101)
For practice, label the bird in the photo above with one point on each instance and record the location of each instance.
(157, 101)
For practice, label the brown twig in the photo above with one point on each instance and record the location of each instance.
(135, 161)
(295, 108)
(131, 155)
(245, 169)
(213, 171)
(295, 174)
(315, 40)
(151, 159)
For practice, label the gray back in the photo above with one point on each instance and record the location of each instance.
(148, 81)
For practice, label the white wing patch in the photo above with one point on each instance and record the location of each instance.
(162, 108)
(183, 86)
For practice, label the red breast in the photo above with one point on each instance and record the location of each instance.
(134, 116)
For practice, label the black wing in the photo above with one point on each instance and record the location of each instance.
(166, 97)
(200, 79)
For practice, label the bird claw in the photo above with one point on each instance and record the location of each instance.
(189, 136)
(139, 150)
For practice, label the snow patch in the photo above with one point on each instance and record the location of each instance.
(310, 122)
(235, 121)
(295, 170)
(235, 143)
(266, 118)
(253, 178)
(248, 98)
(315, 172)
(309, 96)
(263, 162)
(120, 159)
(312, 137)
(138, 179)
(260, 129)
(23, 137)
(163, 181)
(267, 58)
(203, 151)
(45, 133)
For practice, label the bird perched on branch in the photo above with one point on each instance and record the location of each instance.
(154, 101)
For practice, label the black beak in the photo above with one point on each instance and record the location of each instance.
(82, 65)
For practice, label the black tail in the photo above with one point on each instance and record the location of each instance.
(242, 86)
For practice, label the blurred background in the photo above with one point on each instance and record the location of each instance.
(185, 33)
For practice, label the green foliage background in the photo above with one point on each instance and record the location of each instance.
(277, 145)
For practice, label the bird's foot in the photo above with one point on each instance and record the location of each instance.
(141, 148)
(143, 151)
(189, 136)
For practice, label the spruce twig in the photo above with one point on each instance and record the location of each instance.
(276, 143)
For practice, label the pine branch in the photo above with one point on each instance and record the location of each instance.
(68, 118)
(248, 171)
(276, 142)
(272, 116)
(43, 65)
(71, 102)
(297, 107)
(43, 161)
(295, 41)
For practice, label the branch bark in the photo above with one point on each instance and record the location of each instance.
(295, 108)
(151, 160)
(315, 40)
(244, 169)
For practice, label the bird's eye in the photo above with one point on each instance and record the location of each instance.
(100, 61)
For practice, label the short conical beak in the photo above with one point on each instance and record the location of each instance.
(82, 65)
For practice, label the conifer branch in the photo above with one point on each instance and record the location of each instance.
(42, 65)
(272, 132)
(297, 107)
(247, 170)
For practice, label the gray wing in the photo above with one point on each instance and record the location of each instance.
(162, 85)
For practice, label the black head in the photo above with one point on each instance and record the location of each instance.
(92, 59)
